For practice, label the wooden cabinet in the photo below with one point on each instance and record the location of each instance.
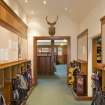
(8, 72)
(82, 85)
(96, 51)
(44, 65)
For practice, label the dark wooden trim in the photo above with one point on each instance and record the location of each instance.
(35, 60)
(97, 35)
(102, 20)
(53, 37)
(12, 63)
(81, 61)
(81, 98)
(82, 33)
(44, 46)
(19, 27)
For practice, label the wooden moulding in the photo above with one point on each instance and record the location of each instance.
(11, 21)
(51, 37)
(81, 61)
(102, 20)
(83, 33)
(100, 67)
(83, 66)
(81, 98)
(9, 64)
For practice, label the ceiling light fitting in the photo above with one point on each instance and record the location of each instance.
(44, 2)
(26, 1)
(66, 9)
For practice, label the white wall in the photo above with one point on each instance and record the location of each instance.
(92, 22)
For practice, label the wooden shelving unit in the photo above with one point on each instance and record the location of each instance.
(81, 76)
(79, 80)
(97, 51)
(8, 72)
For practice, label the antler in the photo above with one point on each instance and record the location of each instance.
(51, 23)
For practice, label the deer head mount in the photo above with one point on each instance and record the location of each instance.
(52, 26)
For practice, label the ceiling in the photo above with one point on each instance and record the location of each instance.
(75, 9)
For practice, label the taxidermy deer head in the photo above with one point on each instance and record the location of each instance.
(52, 26)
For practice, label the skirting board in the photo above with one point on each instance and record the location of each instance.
(80, 98)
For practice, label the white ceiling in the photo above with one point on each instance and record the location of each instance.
(77, 9)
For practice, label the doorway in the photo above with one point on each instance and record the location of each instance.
(51, 54)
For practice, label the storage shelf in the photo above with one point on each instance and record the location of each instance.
(100, 67)
(13, 63)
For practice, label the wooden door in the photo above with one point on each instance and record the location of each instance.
(62, 55)
(44, 60)
(51, 58)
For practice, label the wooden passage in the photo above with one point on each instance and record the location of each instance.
(11, 21)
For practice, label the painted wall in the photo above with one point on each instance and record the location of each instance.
(92, 22)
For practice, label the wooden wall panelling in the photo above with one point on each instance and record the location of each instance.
(8, 72)
(35, 69)
(44, 65)
(14, 72)
(7, 85)
(19, 69)
(94, 55)
(1, 80)
(11, 21)
(83, 67)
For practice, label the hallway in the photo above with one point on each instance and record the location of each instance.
(53, 91)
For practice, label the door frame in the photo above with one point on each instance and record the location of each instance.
(68, 38)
